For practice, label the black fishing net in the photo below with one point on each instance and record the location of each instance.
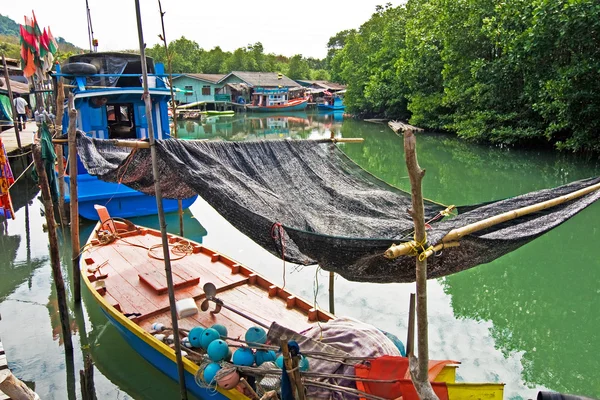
(309, 201)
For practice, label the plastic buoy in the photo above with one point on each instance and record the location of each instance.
(229, 355)
(210, 371)
(228, 380)
(303, 363)
(279, 361)
(160, 337)
(256, 335)
(217, 350)
(243, 356)
(221, 329)
(158, 327)
(195, 335)
(208, 337)
(185, 342)
(263, 356)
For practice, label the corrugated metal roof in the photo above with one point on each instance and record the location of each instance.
(263, 79)
(16, 87)
(327, 85)
(212, 78)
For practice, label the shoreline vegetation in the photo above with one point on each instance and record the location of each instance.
(510, 73)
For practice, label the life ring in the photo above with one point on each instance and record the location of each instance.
(79, 68)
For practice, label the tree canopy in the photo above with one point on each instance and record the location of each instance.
(509, 72)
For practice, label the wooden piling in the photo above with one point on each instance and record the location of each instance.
(86, 375)
(12, 104)
(54, 252)
(58, 148)
(419, 367)
(74, 201)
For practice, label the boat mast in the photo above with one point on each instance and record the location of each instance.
(159, 204)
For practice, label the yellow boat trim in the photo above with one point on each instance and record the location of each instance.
(475, 391)
(161, 347)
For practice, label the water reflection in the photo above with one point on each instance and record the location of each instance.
(261, 126)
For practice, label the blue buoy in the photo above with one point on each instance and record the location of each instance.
(195, 335)
(221, 329)
(263, 356)
(256, 335)
(303, 363)
(243, 356)
(208, 337)
(229, 354)
(210, 371)
(217, 350)
(279, 361)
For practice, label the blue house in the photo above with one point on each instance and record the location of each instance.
(196, 87)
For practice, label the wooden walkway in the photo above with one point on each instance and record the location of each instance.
(10, 139)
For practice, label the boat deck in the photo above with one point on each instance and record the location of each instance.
(131, 278)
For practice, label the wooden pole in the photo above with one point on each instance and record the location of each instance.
(74, 201)
(159, 203)
(169, 58)
(54, 252)
(180, 211)
(287, 361)
(60, 109)
(11, 386)
(332, 292)
(12, 103)
(410, 336)
(450, 239)
(86, 375)
(419, 367)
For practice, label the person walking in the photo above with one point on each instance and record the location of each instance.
(21, 106)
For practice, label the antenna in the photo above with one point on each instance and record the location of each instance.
(93, 42)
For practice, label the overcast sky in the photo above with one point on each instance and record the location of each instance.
(283, 27)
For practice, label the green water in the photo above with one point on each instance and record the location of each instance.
(529, 319)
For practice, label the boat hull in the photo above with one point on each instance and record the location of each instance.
(120, 200)
(290, 107)
(327, 107)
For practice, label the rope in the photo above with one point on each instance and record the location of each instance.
(19, 155)
(277, 228)
(20, 176)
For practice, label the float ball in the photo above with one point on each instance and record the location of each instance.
(195, 335)
(221, 329)
(303, 363)
(279, 361)
(243, 356)
(209, 336)
(263, 356)
(185, 342)
(158, 327)
(256, 335)
(217, 350)
(210, 371)
(229, 381)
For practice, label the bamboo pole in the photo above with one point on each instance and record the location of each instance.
(410, 336)
(12, 103)
(419, 367)
(159, 203)
(54, 253)
(454, 235)
(74, 201)
(14, 388)
(287, 361)
(60, 106)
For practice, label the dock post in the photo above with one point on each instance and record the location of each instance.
(419, 367)
(86, 378)
(54, 253)
(12, 103)
(74, 202)
(159, 204)
(58, 148)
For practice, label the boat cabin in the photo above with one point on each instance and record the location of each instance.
(108, 95)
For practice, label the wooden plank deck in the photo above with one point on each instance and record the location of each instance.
(135, 280)
(10, 140)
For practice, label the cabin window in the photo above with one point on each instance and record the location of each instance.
(121, 124)
(205, 90)
(189, 90)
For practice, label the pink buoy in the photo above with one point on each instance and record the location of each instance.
(228, 379)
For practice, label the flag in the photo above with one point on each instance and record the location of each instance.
(52, 42)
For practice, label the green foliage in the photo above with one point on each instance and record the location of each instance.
(10, 47)
(8, 26)
(508, 72)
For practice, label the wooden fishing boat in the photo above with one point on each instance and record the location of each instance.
(275, 100)
(332, 103)
(122, 268)
(110, 105)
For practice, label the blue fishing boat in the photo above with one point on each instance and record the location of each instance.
(275, 100)
(108, 92)
(332, 103)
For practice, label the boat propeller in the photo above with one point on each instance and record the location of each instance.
(210, 291)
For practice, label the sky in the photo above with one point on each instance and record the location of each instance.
(283, 27)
